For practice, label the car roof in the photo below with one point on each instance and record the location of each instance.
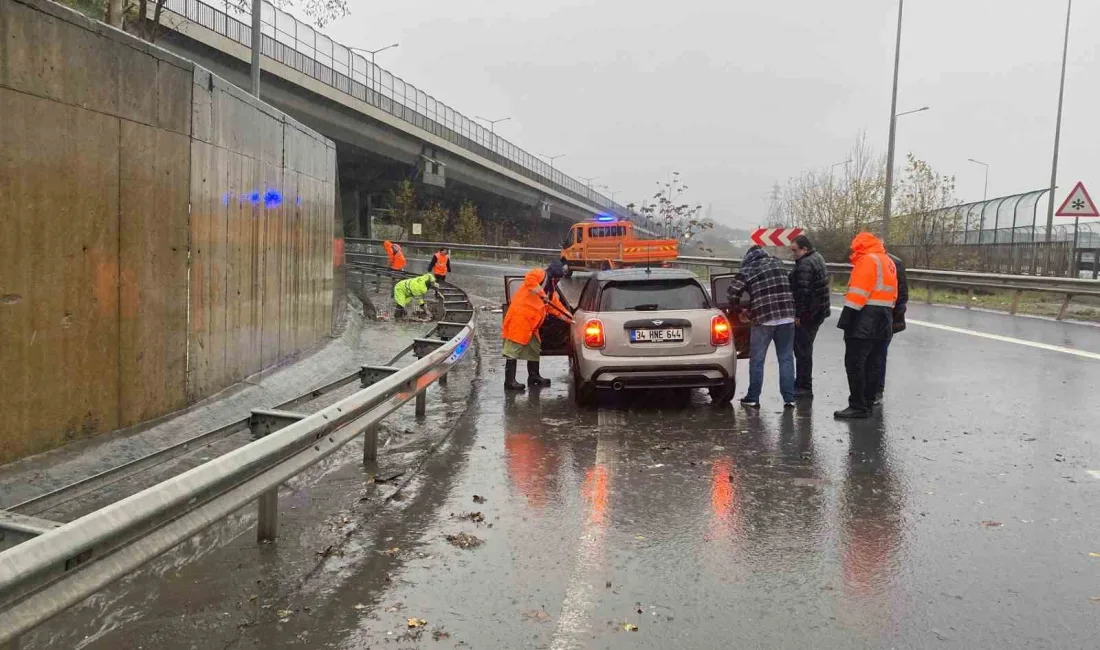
(639, 274)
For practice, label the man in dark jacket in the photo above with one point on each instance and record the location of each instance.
(771, 308)
(867, 321)
(810, 286)
(899, 322)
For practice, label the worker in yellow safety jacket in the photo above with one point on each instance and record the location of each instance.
(440, 265)
(867, 320)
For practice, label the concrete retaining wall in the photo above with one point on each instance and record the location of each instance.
(162, 234)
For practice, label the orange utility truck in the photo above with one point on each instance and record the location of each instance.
(607, 243)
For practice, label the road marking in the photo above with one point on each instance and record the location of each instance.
(580, 597)
(1007, 339)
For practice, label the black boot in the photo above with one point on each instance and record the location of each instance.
(534, 379)
(510, 382)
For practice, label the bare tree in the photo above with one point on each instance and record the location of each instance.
(928, 220)
(667, 212)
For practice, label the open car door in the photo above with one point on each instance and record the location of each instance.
(554, 332)
(737, 313)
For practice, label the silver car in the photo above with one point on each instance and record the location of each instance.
(645, 329)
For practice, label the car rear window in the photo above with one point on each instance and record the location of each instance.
(653, 295)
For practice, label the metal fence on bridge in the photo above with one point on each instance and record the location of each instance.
(299, 46)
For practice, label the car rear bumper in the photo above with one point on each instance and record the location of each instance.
(689, 371)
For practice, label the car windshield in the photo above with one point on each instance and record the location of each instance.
(653, 295)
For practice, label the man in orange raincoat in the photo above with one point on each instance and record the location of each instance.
(526, 312)
(396, 255)
(867, 321)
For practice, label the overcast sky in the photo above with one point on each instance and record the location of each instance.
(740, 95)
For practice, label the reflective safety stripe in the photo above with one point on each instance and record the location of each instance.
(853, 305)
(880, 284)
(881, 303)
(862, 292)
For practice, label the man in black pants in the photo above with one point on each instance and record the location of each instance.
(899, 323)
(810, 286)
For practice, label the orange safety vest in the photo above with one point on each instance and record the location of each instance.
(874, 280)
(398, 263)
(440, 267)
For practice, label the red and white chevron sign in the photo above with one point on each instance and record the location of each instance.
(775, 236)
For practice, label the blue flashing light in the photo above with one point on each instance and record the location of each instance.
(604, 218)
(254, 198)
(272, 199)
(299, 201)
(226, 197)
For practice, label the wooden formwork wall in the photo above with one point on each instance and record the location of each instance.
(162, 234)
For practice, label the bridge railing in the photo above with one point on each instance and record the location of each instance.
(299, 46)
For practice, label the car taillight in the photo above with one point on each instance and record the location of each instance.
(593, 334)
(720, 331)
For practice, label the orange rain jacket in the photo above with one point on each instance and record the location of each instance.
(527, 310)
(872, 291)
(441, 264)
(395, 254)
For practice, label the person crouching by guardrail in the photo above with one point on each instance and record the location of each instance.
(899, 324)
(409, 291)
(867, 321)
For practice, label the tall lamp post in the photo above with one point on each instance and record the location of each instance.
(373, 52)
(551, 160)
(492, 123)
(1058, 127)
(889, 197)
(985, 196)
(985, 187)
(257, 36)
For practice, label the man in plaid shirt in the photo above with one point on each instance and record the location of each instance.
(771, 308)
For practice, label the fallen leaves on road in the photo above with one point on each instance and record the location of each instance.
(1094, 599)
(391, 552)
(539, 615)
(630, 627)
(1094, 554)
(396, 607)
(989, 523)
(284, 615)
(440, 634)
(479, 499)
(475, 517)
(417, 622)
(464, 540)
(388, 479)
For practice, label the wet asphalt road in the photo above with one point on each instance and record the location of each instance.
(964, 516)
(961, 517)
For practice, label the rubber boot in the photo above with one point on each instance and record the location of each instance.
(510, 382)
(534, 379)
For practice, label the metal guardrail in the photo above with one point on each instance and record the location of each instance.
(63, 563)
(1066, 287)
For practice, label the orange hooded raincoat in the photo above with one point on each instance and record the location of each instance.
(395, 254)
(872, 291)
(527, 310)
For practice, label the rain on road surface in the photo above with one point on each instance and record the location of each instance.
(963, 516)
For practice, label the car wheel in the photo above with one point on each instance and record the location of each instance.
(584, 392)
(723, 395)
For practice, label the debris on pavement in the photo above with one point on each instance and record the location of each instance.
(464, 540)
(475, 517)
(1094, 554)
(388, 479)
(396, 607)
(479, 499)
(540, 615)
(440, 634)
(989, 523)
(630, 627)
(391, 552)
(417, 622)
(360, 607)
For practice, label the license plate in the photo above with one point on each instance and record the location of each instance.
(657, 336)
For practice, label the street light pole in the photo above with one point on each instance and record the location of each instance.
(552, 159)
(492, 123)
(889, 194)
(1058, 127)
(985, 189)
(257, 37)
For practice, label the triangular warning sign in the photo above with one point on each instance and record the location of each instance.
(1078, 204)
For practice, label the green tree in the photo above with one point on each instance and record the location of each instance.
(468, 228)
(435, 219)
(403, 201)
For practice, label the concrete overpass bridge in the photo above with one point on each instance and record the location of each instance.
(385, 128)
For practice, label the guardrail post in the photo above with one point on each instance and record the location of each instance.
(1015, 301)
(264, 423)
(1065, 306)
(268, 526)
(969, 296)
(370, 445)
(930, 287)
